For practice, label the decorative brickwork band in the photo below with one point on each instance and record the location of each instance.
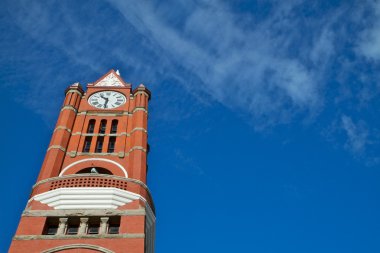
(94, 180)
(88, 182)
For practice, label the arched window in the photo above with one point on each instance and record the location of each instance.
(102, 128)
(98, 170)
(114, 126)
(91, 126)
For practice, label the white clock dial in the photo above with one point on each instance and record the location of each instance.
(107, 99)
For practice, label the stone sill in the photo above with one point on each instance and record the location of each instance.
(71, 237)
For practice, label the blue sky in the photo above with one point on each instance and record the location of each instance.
(264, 126)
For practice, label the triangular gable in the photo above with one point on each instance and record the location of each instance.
(111, 79)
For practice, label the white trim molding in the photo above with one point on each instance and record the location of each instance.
(62, 128)
(94, 159)
(110, 80)
(78, 246)
(87, 198)
(56, 147)
(69, 107)
(84, 212)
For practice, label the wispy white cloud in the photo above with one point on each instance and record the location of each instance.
(357, 135)
(369, 39)
(272, 66)
(241, 64)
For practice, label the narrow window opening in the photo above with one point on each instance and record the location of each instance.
(99, 144)
(51, 226)
(102, 128)
(113, 229)
(93, 226)
(91, 126)
(111, 144)
(72, 230)
(52, 230)
(114, 225)
(72, 226)
(114, 126)
(93, 229)
(87, 144)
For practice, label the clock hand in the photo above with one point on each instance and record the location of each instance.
(105, 103)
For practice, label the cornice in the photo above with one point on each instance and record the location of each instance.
(83, 212)
(70, 237)
(68, 198)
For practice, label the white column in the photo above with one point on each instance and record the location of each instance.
(62, 226)
(103, 225)
(82, 226)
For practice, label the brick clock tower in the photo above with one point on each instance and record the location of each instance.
(91, 193)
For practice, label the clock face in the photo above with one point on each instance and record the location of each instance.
(107, 99)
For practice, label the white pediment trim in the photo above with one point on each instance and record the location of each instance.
(110, 80)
